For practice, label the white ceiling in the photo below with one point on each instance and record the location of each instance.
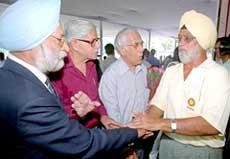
(159, 16)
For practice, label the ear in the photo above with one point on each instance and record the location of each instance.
(74, 44)
(122, 51)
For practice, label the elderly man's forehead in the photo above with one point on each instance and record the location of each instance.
(133, 35)
(184, 32)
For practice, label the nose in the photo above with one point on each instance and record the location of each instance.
(181, 42)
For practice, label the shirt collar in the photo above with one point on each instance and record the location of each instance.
(206, 63)
(41, 76)
(125, 68)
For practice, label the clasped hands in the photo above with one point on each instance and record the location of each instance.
(142, 120)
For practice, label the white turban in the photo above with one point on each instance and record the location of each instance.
(27, 23)
(200, 26)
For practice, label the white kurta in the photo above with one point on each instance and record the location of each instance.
(208, 89)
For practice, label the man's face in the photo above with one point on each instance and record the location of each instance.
(188, 46)
(87, 46)
(52, 52)
(132, 53)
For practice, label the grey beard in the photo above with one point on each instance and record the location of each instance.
(186, 56)
(50, 66)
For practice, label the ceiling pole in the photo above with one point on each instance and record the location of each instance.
(101, 38)
(227, 17)
(219, 3)
(149, 42)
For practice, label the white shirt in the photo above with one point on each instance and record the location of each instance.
(208, 86)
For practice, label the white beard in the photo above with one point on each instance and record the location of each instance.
(186, 56)
(50, 61)
(59, 62)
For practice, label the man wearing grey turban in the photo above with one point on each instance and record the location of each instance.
(192, 104)
(33, 122)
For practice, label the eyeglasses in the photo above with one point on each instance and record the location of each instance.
(61, 41)
(137, 44)
(92, 43)
(187, 39)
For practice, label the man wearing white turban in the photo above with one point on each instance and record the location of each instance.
(189, 106)
(33, 122)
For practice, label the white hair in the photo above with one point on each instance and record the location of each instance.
(77, 29)
(121, 38)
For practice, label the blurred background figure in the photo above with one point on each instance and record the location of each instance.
(168, 59)
(152, 59)
(175, 55)
(145, 56)
(222, 49)
(97, 63)
(109, 50)
(2, 58)
(174, 60)
(217, 52)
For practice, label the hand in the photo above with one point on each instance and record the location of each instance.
(143, 133)
(145, 121)
(109, 123)
(82, 104)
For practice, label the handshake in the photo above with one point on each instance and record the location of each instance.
(82, 105)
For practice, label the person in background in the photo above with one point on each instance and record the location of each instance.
(145, 56)
(2, 58)
(152, 59)
(223, 51)
(79, 73)
(168, 59)
(109, 50)
(33, 122)
(217, 57)
(123, 87)
(97, 63)
(175, 59)
(176, 54)
(189, 106)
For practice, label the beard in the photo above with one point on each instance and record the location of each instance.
(50, 61)
(58, 63)
(187, 56)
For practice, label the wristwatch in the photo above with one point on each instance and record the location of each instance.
(173, 125)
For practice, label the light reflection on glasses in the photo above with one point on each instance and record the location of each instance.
(92, 43)
(61, 41)
(187, 39)
(137, 44)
